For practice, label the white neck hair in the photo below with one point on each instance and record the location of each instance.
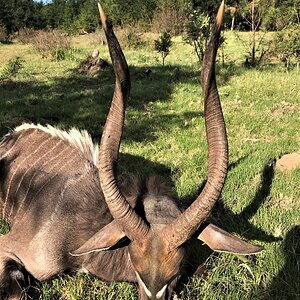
(80, 139)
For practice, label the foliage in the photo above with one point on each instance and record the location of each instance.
(130, 11)
(162, 45)
(52, 43)
(130, 37)
(207, 7)
(3, 35)
(196, 33)
(288, 13)
(272, 21)
(170, 15)
(4, 227)
(25, 35)
(87, 20)
(287, 45)
(13, 67)
(254, 13)
(76, 16)
(15, 14)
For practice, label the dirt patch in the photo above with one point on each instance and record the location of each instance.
(288, 162)
(284, 108)
(283, 202)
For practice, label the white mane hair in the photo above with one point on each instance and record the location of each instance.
(80, 139)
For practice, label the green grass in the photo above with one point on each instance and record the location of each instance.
(164, 134)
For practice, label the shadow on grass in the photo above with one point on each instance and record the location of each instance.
(83, 101)
(133, 165)
(239, 223)
(147, 129)
(227, 71)
(286, 285)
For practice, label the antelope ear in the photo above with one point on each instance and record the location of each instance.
(104, 239)
(220, 240)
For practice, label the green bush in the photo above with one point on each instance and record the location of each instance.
(25, 35)
(287, 46)
(4, 37)
(13, 67)
(162, 45)
(52, 43)
(196, 32)
(130, 37)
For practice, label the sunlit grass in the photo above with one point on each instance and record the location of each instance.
(164, 133)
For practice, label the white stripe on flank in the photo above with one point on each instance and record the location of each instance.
(80, 139)
(13, 146)
(56, 211)
(56, 173)
(17, 168)
(32, 177)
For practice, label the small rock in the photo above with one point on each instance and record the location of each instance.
(95, 53)
(288, 162)
(92, 64)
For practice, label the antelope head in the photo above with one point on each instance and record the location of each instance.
(160, 236)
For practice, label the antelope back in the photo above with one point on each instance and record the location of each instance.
(37, 166)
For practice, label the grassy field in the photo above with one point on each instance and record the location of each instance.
(164, 134)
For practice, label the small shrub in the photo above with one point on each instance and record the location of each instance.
(257, 48)
(13, 67)
(3, 35)
(25, 35)
(162, 45)
(129, 37)
(97, 38)
(196, 32)
(287, 46)
(53, 43)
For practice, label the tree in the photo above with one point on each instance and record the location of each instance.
(288, 13)
(7, 20)
(196, 32)
(253, 12)
(130, 11)
(207, 7)
(287, 45)
(87, 19)
(162, 45)
(15, 14)
(170, 15)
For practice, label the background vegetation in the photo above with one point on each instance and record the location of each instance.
(164, 131)
(81, 15)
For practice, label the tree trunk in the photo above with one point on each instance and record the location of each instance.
(253, 34)
(232, 23)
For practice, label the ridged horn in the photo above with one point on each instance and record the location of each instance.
(182, 228)
(134, 227)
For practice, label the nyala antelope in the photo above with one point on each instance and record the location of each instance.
(61, 197)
